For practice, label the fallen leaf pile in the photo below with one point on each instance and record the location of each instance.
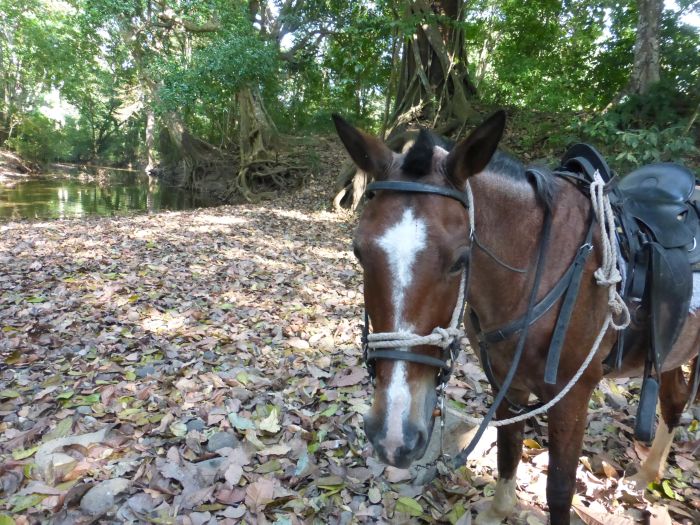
(203, 367)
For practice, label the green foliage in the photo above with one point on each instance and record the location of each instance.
(38, 138)
(629, 148)
(111, 60)
(219, 67)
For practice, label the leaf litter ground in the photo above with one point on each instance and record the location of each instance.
(204, 367)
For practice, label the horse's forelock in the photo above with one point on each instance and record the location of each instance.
(419, 159)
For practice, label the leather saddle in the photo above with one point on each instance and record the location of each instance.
(656, 211)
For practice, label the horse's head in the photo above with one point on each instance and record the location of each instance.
(414, 249)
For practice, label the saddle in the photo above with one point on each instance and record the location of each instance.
(657, 218)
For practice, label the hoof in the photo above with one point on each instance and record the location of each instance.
(641, 479)
(489, 517)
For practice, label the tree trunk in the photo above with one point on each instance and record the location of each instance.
(258, 134)
(645, 72)
(434, 87)
(150, 138)
(434, 84)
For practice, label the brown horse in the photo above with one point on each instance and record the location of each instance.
(415, 248)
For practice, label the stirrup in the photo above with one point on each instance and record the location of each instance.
(645, 424)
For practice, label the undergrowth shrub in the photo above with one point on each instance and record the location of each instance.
(38, 139)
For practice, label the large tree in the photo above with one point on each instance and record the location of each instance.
(646, 68)
(433, 88)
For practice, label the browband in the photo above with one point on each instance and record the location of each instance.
(416, 187)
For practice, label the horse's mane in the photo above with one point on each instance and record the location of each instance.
(541, 179)
(418, 163)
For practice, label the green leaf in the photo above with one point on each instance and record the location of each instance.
(87, 400)
(409, 506)
(270, 466)
(456, 513)
(6, 520)
(20, 453)
(667, 490)
(65, 395)
(63, 429)
(331, 410)
(22, 503)
(9, 394)
(36, 299)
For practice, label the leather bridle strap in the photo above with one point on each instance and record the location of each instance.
(416, 187)
(549, 300)
(520, 347)
(445, 364)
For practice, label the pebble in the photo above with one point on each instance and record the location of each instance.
(145, 371)
(221, 440)
(84, 410)
(100, 498)
(195, 424)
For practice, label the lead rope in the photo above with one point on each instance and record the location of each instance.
(607, 275)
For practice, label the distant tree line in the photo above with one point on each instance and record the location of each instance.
(220, 86)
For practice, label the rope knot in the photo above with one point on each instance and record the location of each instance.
(607, 278)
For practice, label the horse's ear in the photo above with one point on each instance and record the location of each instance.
(367, 152)
(471, 155)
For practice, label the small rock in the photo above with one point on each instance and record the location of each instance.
(221, 440)
(145, 371)
(195, 424)
(100, 498)
(84, 410)
(615, 400)
(209, 356)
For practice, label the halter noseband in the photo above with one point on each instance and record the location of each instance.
(382, 345)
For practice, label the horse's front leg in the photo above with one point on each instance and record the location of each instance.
(510, 445)
(567, 423)
(673, 397)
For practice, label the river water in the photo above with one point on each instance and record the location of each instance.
(102, 192)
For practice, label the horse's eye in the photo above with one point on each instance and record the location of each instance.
(461, 262)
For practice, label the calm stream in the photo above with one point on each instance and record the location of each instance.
(113, 192)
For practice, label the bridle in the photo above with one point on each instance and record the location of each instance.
(382, 345)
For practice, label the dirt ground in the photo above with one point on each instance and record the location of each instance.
(204, 367)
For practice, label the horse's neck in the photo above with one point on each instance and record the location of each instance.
(509, 223)
(507, 220)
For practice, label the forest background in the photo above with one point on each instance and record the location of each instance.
(227, 95)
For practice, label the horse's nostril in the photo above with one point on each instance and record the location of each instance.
(415, 438)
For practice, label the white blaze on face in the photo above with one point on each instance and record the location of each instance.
(401, 243)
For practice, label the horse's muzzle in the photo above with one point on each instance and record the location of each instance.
(397, 448)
